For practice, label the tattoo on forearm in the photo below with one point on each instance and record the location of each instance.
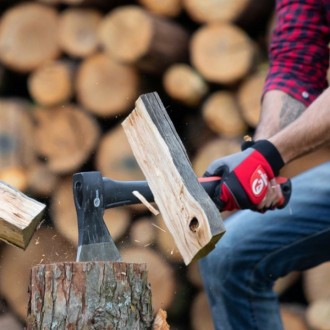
(290, 111)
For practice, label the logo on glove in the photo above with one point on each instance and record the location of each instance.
(259, 181)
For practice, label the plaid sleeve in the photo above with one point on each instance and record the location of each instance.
(299, 54)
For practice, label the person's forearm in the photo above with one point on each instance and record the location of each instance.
(309, 132)
(278, 110)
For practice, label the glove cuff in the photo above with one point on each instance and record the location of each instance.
(272, 155)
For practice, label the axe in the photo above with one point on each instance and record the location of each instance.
(94, 193)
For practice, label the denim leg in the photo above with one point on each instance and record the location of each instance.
(259, 248)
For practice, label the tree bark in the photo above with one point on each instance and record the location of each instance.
(133, 35)
(98, 295)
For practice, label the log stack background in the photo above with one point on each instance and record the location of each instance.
(70, 72)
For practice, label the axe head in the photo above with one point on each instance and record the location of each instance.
(94, 240)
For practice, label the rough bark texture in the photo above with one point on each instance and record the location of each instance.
(92, 295)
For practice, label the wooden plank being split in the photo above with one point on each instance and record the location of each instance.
(19, 216)
(188, 212)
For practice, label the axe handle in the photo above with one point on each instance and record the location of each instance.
(119, 193)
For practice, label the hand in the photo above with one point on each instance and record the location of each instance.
(247, 178)
(273, 197)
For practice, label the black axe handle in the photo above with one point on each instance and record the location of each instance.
(119, 193)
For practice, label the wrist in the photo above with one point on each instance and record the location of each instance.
(270, 153)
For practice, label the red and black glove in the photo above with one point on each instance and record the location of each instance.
(245, 176)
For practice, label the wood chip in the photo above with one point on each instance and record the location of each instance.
(145, 202)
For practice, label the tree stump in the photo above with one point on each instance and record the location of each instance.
(89, 295)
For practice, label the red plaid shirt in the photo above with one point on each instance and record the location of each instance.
(299, 54)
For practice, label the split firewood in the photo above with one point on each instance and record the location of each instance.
(222, 115)
(19, 216)
(121, 290)
(194, 275)
(249, 97)
(105, 87)
(226, 64)
(17, 151)
(46, 246)
(189, 213)
(115, 159)
(200, 313)
(26, 41)
(160, 274)
(184, 84)
(65, 136)
(64, 216)
(133, 35)
(52, 83)
(169, 8)
(78, 31)
(9, 321)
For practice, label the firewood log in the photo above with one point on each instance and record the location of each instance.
(64, 216)
(169, 8)
(78, 31)
(65, 136)
(133, 35)
(316, 282)
(293, 317)
(41, 181)
(194, 275)
(222, 53)
(106, 88)
(221, 113)
(249, 97)
(200, 313)
(160, 322)
(161, 274)
(110, 295)
(26, 40)
(212, 150)
(317, 314)
(17, 151)
(142, 232)
(115, 159)
(46, 246)
(214, 11)
(51, 83)
(184, 84)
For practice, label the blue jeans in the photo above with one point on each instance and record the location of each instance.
(259, 248)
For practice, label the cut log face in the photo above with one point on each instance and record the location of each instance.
(115, 159)
(189, 213)
(169, 8)
(23, 32)
(106, 88)
(78, 31)
(66, 136)
(222, 53)
(207, 11)
(51, 84)
(184, 84)
(221, 113)
(109, 296)
(19, 216)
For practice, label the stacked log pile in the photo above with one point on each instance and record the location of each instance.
(70, 72)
